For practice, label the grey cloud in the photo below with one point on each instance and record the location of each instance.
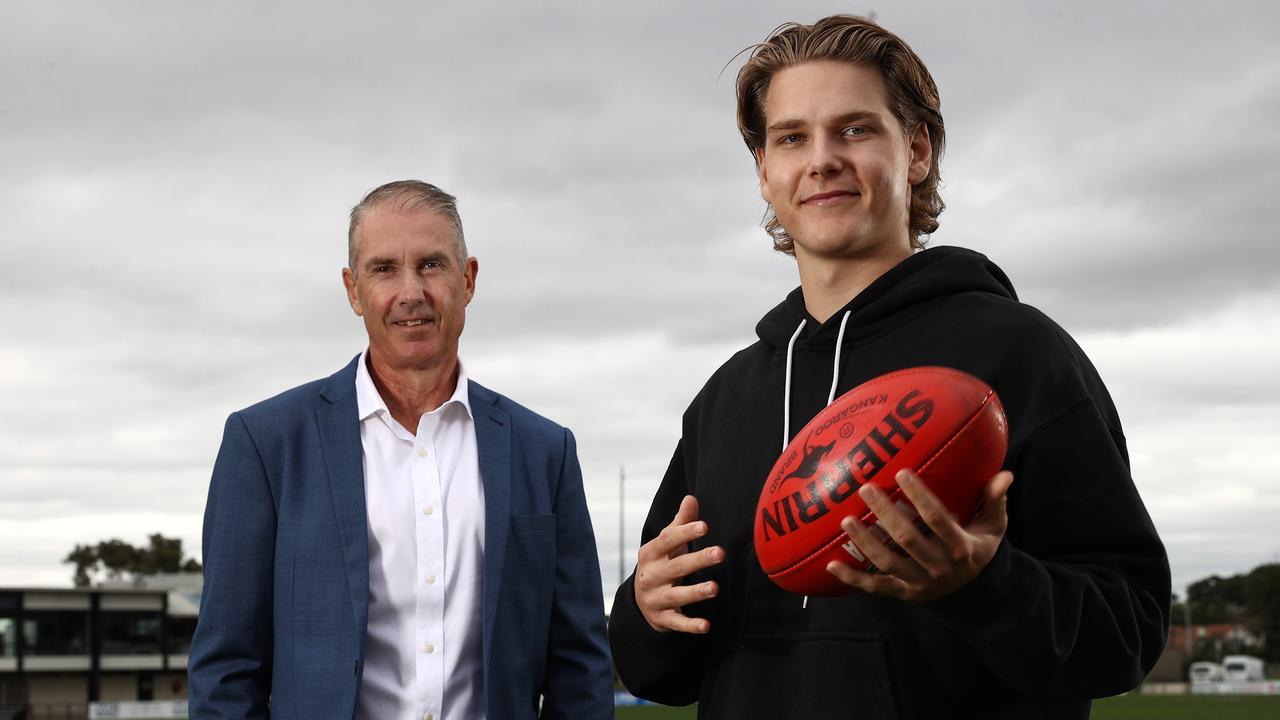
(177, 180)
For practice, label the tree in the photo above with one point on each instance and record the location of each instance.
(1251, 600)
(165, 555)
(118, 559)
(1217, 599)
(85, 558)
(1262, 596)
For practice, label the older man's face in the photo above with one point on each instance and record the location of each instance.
(410, 287)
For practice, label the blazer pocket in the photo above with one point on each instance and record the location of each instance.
(533, 524)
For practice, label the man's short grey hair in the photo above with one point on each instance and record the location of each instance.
(408, 195)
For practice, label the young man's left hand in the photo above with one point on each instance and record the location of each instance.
(935, 565)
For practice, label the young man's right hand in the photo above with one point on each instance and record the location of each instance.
(664, 562)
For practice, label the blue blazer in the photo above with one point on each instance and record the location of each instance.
(286, 565)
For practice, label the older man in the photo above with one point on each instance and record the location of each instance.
(397, 541)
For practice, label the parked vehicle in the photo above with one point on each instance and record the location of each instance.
(1243, 668)
(1204, 671)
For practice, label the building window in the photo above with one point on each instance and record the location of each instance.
(56, 632)
(181, 630)
(8, 637)
(131, 632)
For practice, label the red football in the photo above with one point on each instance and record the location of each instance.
(945, 425)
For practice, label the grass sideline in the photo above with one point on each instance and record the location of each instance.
(1124, 707)
(1187, 707)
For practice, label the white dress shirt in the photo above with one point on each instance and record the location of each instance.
(425, 504)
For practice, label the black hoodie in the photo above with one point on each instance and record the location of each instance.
(1074, 605)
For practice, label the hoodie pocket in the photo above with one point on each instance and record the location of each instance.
(812, 674)
(820, 661)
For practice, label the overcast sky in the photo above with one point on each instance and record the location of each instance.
(175, 179)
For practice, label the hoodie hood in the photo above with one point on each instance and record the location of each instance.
(925, 276)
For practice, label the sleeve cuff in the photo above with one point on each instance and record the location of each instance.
(980, 610)
(628, 625)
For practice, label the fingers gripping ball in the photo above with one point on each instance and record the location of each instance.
(946, 426)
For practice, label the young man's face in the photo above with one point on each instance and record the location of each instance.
(836, 165)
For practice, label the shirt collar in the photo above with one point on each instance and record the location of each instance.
(369, 401)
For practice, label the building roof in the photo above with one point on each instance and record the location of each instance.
(1224, 632)
(183, 593)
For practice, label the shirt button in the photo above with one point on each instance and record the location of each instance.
(422, 452)
(426, 717)
(427, 509)
(431, 579)
(429, 648)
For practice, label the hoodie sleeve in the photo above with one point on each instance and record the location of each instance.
(1075, 602)
(664, 667)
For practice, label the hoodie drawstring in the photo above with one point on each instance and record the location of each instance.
(835, 365)
(786, 386)
(786, 389)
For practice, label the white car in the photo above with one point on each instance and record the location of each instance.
(1204, 671)
(1243, 668)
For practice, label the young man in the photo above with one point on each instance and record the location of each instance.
(398, 542)
(1057, 592)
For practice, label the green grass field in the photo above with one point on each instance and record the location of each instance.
(1126, 707)
(1188, 707)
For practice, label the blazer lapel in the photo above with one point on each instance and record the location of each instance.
(493, 445)
(339, 424)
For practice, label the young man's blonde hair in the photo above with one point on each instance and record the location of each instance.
(912, 96)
